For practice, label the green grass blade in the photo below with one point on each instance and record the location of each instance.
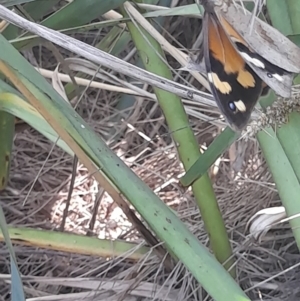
(183, 10)
(295, 39)
(285, 15)
(279, 14)
(220, 144)
(289, 137)
(74, 243)
(17, 292)
(11, 31)
(75, 13)
(80, 12)
(8, 3)
(45, 6)
(7, 126)
(19, 42)
(294, 13)
(11, 102)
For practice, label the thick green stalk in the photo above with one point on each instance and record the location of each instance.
(187, 146)
(281, 146)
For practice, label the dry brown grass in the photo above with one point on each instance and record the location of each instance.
(265, 270)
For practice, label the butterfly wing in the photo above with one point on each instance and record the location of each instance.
(264, 39)
(277, 78)
(235, 86)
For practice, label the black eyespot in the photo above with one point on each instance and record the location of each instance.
(232, 106)
(270, 75)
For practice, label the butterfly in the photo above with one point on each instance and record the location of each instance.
(237, 73)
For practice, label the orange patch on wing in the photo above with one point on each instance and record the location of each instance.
(223, 50)
(232, 32)
(246, 79)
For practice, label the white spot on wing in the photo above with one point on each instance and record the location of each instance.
(252, 60)
(277, 76)
(240, 106)
(259, 64)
